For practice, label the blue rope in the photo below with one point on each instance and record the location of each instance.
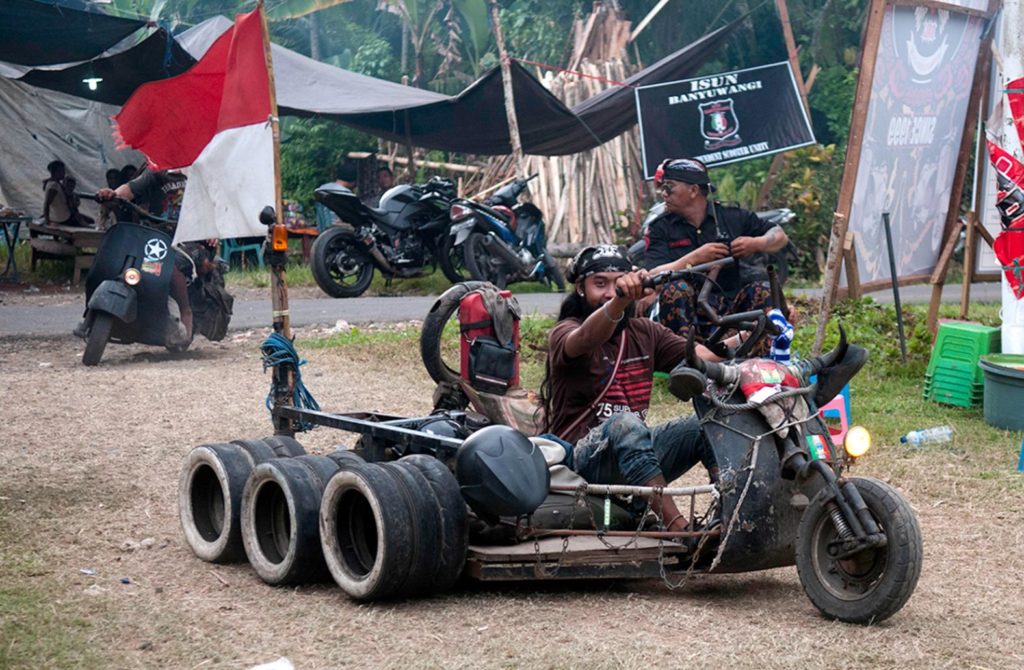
(278, 349)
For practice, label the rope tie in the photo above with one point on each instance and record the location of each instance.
(277, 350)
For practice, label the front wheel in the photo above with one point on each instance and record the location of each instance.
(98, 336)
(869, 586)
(341, 269)
(552, 272)
(482, 265)
(449, 258)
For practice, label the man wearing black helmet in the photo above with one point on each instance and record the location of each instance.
(598, 378)
(695, 229)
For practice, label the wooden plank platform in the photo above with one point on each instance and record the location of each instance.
(585, 557)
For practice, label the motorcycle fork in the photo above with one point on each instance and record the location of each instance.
(850, 515)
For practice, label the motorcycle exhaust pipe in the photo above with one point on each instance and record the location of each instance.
(504, 252)
(379, 258)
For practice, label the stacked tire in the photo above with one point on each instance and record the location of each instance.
(394, 529)
(381, 530)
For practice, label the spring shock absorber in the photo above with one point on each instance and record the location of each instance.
(840, 523)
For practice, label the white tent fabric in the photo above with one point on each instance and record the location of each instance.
(40, 126)
(309, 87)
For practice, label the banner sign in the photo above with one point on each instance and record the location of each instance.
(722, 118)
(920, 95)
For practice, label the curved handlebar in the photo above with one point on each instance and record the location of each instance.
(656, 280)
(138, 210)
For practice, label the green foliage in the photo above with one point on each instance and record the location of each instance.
(539, 30)
(832, 99)
(310, 148)
(809, 185)
(375, 59)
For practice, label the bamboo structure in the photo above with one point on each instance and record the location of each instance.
(596, 195)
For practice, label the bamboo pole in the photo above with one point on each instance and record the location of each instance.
(284, 375)
(506, 85)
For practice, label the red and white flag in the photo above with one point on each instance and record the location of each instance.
(213, 120)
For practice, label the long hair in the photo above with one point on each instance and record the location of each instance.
(573, 306)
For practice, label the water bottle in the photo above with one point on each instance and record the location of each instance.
(936, 435)
(781, 342)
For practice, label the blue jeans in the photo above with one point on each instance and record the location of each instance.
(624, 450)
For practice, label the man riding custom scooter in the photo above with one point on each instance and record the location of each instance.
(127, 289)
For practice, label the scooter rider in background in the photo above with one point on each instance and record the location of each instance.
(694, 230)
(160, 193)
(598, 378)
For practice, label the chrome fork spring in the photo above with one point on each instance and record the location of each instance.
(840, 523)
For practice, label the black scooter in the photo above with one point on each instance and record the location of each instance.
(127, 291)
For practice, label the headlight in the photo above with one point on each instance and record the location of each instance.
(857, 441)
(132, 277)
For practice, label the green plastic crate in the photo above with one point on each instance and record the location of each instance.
(959, 345)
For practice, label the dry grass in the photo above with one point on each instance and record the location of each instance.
(91, 459)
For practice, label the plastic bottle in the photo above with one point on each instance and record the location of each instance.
(936, 435)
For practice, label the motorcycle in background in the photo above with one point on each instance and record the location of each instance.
(407, 233)
(502, 240)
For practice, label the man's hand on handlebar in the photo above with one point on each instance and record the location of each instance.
(631, 286)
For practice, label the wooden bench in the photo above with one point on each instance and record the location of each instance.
(54, 242)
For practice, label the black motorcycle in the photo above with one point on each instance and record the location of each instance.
(127, 293)
(754, 267)
(401, 238)
(503, 240)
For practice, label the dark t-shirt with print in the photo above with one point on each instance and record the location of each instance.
(670, 237)
(576, 382)
(160, 192)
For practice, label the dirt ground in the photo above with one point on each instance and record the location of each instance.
(91, 460)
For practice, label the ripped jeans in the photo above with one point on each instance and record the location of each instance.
(624, 450)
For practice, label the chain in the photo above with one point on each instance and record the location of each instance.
(540, 570)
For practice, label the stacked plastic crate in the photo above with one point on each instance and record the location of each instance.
(953, 376)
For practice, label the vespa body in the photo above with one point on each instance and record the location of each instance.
(407, 233)
(503, 240)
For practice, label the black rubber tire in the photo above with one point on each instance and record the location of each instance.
(426, 528)
(209, 500)
(258, 449)
(285, 446)
(99, 334)
(450, 260)
(454, 518)
(874, 584)
(366, 532)
(346, 458)
(281, 519)
(553, 273)
(328, 276)
(443, 309)
(482, 266)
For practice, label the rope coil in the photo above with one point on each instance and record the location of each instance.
(279, 350)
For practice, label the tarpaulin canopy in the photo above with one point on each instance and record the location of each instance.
(157, 57)
(40, 33)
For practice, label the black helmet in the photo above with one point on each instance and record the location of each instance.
(443, 425)
(501, 473)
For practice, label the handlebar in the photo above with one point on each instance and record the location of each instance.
(656, 280)
(138, 210)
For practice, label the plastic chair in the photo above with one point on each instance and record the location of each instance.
(836, 409)
(325, 218)
(230, 247)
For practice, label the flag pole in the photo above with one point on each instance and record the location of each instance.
(284, 375)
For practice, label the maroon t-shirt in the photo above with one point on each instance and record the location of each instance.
(576, 382)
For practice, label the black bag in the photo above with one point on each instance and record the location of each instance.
(491, 365)
(211, 307)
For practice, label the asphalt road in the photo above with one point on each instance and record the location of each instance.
(20, 320)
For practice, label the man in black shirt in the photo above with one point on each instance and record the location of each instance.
(695, 230)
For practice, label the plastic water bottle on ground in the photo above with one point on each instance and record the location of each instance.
(936, 435)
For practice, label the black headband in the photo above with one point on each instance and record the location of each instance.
(598, 258)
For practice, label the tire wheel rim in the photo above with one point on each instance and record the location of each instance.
(342, 265)
(848, 579)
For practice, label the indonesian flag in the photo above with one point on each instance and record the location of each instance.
(216, 119)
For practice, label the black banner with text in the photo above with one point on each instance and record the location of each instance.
(722, 118)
